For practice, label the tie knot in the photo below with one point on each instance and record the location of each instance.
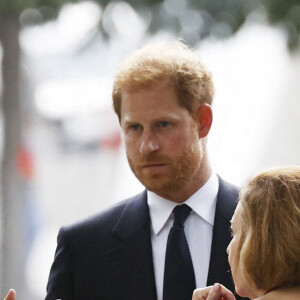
(180, 213)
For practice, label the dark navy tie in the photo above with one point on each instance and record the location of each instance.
(179, 277)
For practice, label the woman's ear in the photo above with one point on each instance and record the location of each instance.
(204, 117)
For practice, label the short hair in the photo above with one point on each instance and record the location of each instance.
(174, 62)
(270, 243)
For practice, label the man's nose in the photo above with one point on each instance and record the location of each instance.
(148, 144)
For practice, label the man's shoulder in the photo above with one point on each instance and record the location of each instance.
(227, 198)
(227, 189)
(103, 222)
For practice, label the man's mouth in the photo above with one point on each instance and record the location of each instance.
(153, 165)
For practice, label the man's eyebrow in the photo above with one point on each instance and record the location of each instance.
(128, 120)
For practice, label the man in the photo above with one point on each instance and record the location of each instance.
(162, 95)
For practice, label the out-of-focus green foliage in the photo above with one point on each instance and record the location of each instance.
(222, 18)
(287, 14)
(15, 7)
(48, 9)
(197, 19)
(191, 19)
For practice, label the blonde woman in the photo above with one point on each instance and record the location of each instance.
(264, 253)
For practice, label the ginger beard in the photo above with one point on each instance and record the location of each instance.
(177, 173)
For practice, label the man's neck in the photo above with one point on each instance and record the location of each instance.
(183, 193)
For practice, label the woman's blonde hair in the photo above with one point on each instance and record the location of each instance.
(270, 243)
(173, 62)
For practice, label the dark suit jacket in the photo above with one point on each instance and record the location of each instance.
(109, 256)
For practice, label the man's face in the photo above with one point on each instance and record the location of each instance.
(161, 140)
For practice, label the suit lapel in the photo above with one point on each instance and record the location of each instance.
(131, 274)
(219, 269)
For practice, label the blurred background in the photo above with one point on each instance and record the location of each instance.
(62, 156)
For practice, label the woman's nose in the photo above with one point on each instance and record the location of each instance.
(228, 248)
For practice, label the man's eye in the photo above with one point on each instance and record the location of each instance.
(135, 127)
(164, 123)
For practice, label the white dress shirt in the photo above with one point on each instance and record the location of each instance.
(198, 230)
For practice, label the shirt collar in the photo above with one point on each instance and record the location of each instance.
(202, 202)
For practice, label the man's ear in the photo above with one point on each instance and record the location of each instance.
(204, 117)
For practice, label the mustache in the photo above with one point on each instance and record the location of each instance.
(154, 159)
